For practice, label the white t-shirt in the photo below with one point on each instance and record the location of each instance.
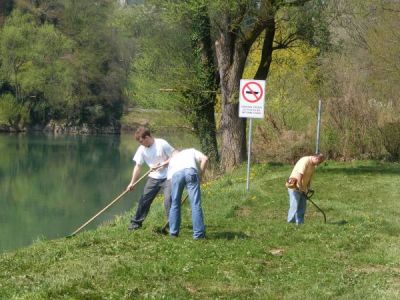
(185, 159)
(157, 153)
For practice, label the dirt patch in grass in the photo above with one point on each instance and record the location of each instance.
(243, 211)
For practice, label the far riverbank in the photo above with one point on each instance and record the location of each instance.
(132, 119)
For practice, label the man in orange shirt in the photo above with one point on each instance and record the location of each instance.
(298, 186)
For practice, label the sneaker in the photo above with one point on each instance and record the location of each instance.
(201, 237)
(134, 226)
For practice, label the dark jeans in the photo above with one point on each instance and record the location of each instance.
(150, 191)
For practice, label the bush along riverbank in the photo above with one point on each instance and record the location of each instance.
(54, 127)
(250, 251)
(130, 121)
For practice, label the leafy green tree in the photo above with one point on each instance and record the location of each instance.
(391, 139)
(238, 25)
(233, 27)
(288, 130)
(63, 59)
(201, 99)
(14, 113)
(99, 72)
(44, 11)
(176, 56)
(359, 79)
(31, 62)
(6, 7)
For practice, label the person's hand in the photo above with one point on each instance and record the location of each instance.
(310, 193)
(130, 187)
(156, 167)
(164, 163)
(160, 165)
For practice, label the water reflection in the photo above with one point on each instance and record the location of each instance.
(50, 185)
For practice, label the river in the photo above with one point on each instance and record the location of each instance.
(50, 185)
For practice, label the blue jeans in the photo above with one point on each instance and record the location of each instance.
(297, 208)
(188, 178)
(150, 191)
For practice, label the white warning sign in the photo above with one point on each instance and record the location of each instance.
(252, 98)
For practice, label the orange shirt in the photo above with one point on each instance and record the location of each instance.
(303, 171)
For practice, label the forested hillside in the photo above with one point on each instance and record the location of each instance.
(80, 63)
(61, 61)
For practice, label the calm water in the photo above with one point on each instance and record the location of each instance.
(50, 185)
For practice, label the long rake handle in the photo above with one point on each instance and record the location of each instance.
(318, 209)
(105, 208)
(167, 223)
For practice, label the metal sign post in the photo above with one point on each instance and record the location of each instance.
(251, 105)
(248, 156)
(318, 127)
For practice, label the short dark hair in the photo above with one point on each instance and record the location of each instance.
(142, 132)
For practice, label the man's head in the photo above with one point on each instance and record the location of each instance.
(143, 136)
(317, 159)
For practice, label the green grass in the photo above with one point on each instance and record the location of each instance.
(250, 252)
(153, 118)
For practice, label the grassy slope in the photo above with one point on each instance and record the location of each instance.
(250, 251)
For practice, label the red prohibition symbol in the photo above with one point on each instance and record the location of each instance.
(252, 92)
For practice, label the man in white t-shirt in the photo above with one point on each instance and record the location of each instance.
(183, 171)
(154, 152)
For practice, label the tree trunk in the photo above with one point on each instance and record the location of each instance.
(266, 53)
(122, 3)
(205, 127)
(6, 6)
(202, 113)
(233, 128)
(232, 47)
(231, 54)
(234, 39)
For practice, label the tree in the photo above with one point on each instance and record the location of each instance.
(32, 66)
(203, 113)
(232, 27)
(13, 112)
(177, 56)
(96, 62)
(74, 60)
(238, 25)
(288, 130)
(6, 7)
(359, 80)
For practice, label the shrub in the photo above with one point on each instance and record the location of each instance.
(15, 114)
(391, 138)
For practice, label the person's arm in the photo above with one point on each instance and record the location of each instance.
(299, 181)
(309, 167)
(298, 172)
(165, 162)
(203, 165)
(135, 177)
